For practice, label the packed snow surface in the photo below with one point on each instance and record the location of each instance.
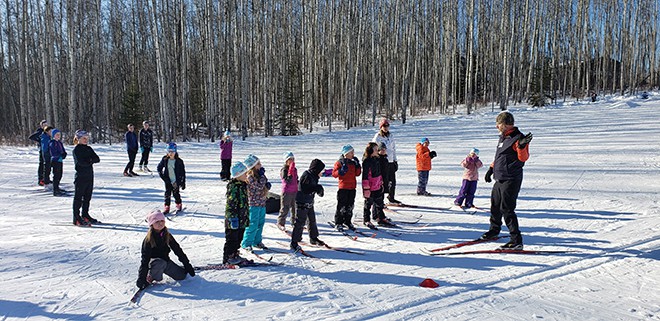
(591, 186)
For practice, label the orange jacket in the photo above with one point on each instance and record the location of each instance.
(423, 159)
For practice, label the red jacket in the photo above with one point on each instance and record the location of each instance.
(423, 159)
(347, 180)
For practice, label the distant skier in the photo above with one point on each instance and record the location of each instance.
(307, 187)
(385, 136)
(226, 145)
(155, 259)
(131, 149)
(57, 155)
(172, 171)
(507, 169)
(258, 187)
(346, 169)
(423, 165)
(36, 137)
(45, 152)
(593, 96)
(84, 158)
(471, 163)
(146, 145)
(289, 176)
(237, 214)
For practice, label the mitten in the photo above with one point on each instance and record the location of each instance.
(268, 185)
(433, 154)
(489, 173)
(63, 155)
(189, 268)
(396, 166)
(183, 186)
(343, 169)
(357, 161)
(151, 149)
(319, 191)
(366, 193)
(523, 141)
(262, 171)
(141, 149)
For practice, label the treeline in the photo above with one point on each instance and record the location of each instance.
(197, 67)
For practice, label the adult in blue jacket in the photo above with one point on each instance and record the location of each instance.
(45, 153)
(36, 137)
(132, 149)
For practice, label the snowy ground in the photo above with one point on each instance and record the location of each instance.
(591, 185)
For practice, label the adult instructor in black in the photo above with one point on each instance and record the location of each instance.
(507, 170)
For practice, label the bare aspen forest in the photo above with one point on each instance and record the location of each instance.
(195, 68)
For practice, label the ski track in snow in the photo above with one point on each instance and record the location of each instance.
(590, 186)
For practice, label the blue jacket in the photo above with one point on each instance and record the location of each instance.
(131, 141)
(45, 142)
(57, 152)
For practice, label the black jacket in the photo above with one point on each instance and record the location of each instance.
(179, 171)
(384, 164)
(36, 136)
(506, 165)
(83, 158)
(146, 138)
(161, 251)
(308, 184)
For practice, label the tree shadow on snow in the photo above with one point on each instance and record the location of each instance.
(24, 310)
(554, 213)
(132, 194)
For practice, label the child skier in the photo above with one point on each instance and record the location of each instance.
(372, 187)
(156, 248)
(258, 187)
(471, 163)
(57, 154)
(226, 144)
(289, 175)
(84, 158)
(308, 186)
(146, 145)
(173, 172)
(237, 216)
(346, 169)
(423, 162)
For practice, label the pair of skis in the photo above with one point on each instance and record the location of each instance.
(442, 250)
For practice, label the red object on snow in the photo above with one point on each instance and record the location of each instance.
(429, 283)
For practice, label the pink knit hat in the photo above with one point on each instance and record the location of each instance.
(155, 216)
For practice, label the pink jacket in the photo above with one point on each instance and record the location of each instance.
(472, 165)
(289, 175)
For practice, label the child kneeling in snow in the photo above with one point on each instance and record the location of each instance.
(155, 254)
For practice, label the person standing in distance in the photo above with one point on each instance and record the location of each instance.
(507, 170)
(384, 136)
(146, 145)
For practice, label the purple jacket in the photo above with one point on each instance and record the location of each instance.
(225, 149)
(289, 175)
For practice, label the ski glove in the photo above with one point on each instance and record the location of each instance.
(262, 171)
(319, 191)
(183, 186)
(366, 193)
(343, 169)
(489, 173)
(523, 141)
(433, 154)
(357, 161)
(396, 166)
(189, 269)
(141, 149)
(142, 283)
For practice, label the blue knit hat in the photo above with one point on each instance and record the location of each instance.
(227, 133)
(424, 140)
(250, 161)
(288, 155)
(475, 151)
(238, 169)
(346, 149)
(171, 147)
(53, 132)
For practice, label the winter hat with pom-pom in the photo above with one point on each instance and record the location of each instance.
(346, 149)
(288, 155)
(171, 147)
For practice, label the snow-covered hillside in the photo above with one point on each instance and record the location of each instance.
(591, 186)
